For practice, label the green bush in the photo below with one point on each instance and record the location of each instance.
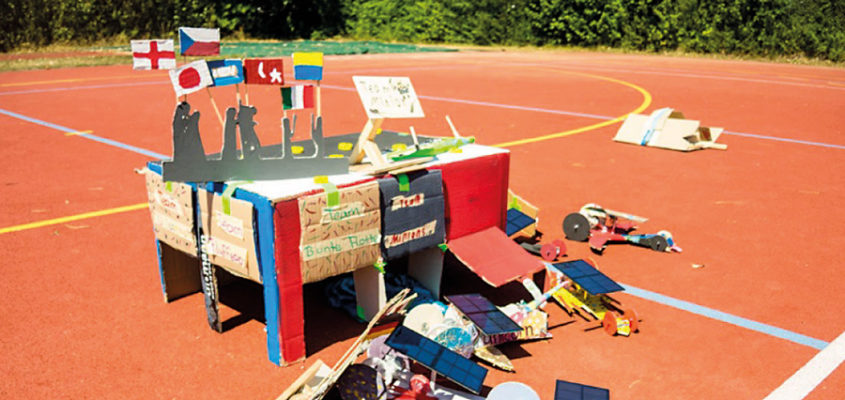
(811, 28)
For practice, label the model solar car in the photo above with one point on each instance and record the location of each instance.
(601, 226)
(588, 296)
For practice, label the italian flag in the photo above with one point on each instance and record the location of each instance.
(298, 97)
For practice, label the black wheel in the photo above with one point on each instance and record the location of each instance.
(576, 227)
(658, 243)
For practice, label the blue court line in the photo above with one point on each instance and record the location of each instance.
(63, 89)
(95, 138)
(725, 317)
(780, 139)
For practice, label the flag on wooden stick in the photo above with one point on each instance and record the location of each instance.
(199, 41)
(153, 54)
(298, 97)
(190, 77)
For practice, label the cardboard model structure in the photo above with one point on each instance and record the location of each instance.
(190, 163)
(667, 128)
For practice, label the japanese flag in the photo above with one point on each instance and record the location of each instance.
(190, 77)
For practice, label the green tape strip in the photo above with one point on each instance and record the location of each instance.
(169, 186)
(227, 196)
(443, 247)
(514, 204)
(332, 195)
(379, 265)
(404, 184)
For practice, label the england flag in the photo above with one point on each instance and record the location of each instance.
(153, 54)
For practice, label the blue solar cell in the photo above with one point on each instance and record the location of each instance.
(438, 358)
(484, 314)
(575, 391)
(589, 278)
(517, 221)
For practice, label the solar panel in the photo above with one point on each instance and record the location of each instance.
(517, 221)
(438, 358)
(484, 314)
(589, 278)
(575, 391)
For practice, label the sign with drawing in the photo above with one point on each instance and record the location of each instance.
(388, 97)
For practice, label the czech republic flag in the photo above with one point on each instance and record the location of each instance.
(199, 41)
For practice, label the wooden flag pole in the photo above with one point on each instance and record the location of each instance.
(246, 94)
(319, 100)
(238, 93)
(214, 105)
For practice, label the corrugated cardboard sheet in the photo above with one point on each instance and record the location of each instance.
(172, 213)
(340, 238)
(231, 238)
(412, 220)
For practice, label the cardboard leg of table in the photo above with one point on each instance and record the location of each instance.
(369, 291)
(426, 266)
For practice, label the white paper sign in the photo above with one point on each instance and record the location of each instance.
(388, 97)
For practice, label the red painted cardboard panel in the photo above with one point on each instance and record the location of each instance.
(476, 192)
(289, 278)
(494, 257)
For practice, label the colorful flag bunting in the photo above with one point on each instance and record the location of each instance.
(226, 72)
(199, 41)
(190, 77)
(298, 97)
(264, 71)
(308, 66)
(153, 54)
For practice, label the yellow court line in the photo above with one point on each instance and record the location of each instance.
(72, 218)
(73, 80)
(78, 133)
(646, 102)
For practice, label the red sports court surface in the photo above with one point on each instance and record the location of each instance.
(80, 301)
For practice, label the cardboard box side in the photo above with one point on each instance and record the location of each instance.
(172, 212)
(342, 238)
(289, 280)
(232, 232)
(476, 193)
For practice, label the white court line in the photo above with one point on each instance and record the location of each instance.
(813, 373)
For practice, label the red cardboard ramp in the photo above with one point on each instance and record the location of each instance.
(494, 257)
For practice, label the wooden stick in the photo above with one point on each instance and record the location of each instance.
(452, 127)
(246, 94)
(238, 93)
(214, 105)
(414, 136)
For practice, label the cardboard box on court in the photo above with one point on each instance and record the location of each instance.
(667, 128)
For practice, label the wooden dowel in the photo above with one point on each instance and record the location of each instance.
(214, 105)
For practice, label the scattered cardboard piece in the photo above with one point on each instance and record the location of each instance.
(667, 128)
(305, 385)
(393, 306)
(493, 356)
(494, 257)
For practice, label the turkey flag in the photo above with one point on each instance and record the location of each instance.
(264, 71)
